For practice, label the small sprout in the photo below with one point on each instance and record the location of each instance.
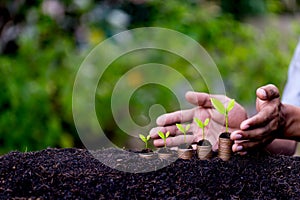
(164, 136)
(145, 139)
(184, 130)
(222, 109)
(202, 125)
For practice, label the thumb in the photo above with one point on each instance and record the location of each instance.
(203, 99)
(267, 92)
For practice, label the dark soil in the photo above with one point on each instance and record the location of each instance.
(185, 146)
(204, 143)
(76, 174)
(225, 135)
(146, 151)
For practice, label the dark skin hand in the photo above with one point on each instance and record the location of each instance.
(267, 125)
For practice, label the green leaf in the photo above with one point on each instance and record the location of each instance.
(218, 105)
(187, 127)
(148, 137)
(230, 105)
(167, 134)
(180, 127)
(206, 121)
(143, 138)
(199, 122)
(161, 134)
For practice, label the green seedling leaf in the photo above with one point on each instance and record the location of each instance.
(180, 127)
(218, 106)
(202, 125)
(206, 121)
(230, 105)
(167, 134)
(183, 129)
(164, 137)
(187, 127)
(161, 134)
(143, 138)
(199, 122)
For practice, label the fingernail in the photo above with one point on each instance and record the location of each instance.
(239, 148)
(243, 153)
(262, 92)
(237, 136)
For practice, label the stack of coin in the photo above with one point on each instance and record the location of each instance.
(225, 145)
(204, 152)
(185, 153)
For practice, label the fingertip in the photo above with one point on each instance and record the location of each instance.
(236, 135)
(261, 93)
(191, 97)
(153, 132)
(158, 143)
(234, 147)
(188, 93)
(242, 153)
(161, 120)
(237, 147)
(270, 90)
(244, 125)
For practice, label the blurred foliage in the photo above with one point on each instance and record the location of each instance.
(43, 43)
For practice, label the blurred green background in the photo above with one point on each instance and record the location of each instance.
(43, 42)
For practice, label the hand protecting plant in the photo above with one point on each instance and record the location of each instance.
(203, 109)
(164, 137)
(145, 139)
(184, 130)
(222, 109)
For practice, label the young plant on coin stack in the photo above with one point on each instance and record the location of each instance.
(165, 152)
(225, 144)
(146, 152)
(185, 150)
(204, 146)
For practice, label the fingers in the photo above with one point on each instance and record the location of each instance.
(175, 117)
(260, 119)
(198, 98)
(268, 92)
(203, 99)
(174, 141)
(172, 129)
(247, 145)
(255, 134)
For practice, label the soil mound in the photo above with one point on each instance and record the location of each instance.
(76, 174)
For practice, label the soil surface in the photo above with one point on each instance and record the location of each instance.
(76, 174)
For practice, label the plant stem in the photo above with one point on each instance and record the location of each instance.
(165, 140)
(226, 121)
(203, 137)
(146, 145)
(184, 138)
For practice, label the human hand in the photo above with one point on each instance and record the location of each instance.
(204, 109)
(261, 129)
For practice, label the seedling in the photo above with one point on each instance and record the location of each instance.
(202, 125)
(184, 130)
(164, 137)
(145, 139)
(203, 146)
(222, 109)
